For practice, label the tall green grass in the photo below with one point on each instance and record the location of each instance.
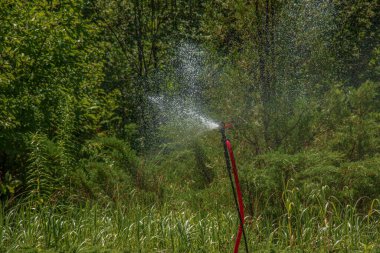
(322, 225)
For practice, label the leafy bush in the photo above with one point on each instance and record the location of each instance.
(349, 122)
(342, 153)
(272, 174)
(108, 167)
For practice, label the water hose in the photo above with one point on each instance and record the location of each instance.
(232, 169)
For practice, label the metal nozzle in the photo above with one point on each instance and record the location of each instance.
(224, 125)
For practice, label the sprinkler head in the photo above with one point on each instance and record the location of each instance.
(223, 127)
(226, 125)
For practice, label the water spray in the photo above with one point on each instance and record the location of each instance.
(232, 169)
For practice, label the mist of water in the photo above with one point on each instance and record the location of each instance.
(182, 111)
(180, 115)
(300, 41)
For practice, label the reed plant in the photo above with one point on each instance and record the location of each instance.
(321, 225)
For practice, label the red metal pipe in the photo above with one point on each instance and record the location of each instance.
(239, 195)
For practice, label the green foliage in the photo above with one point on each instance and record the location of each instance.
(298, 79)
(106, 167)
(8, 186)
(351, 121)
(307, 227)
(51, 60)
(273, 174)
(203, 169)
(356, 41)
(44, 176)
(109, 168)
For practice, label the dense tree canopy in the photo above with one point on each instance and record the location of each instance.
(76, 78)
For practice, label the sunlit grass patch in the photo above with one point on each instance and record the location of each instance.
(112, 228)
